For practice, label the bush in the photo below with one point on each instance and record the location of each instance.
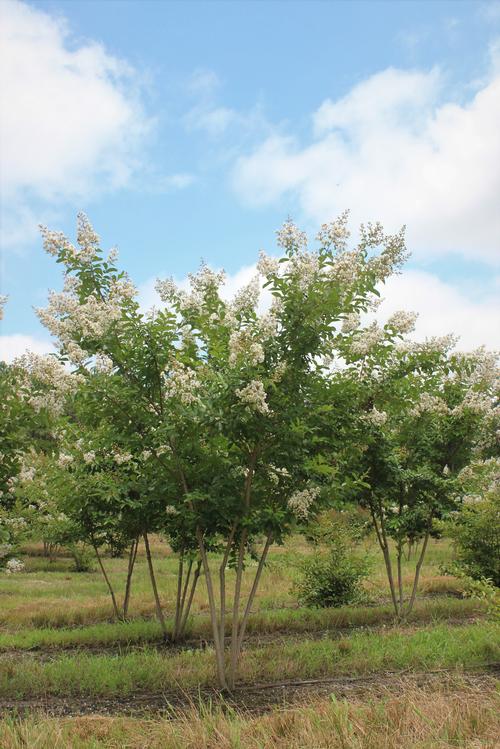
(476, 533)
(82, 557)
(332, 579)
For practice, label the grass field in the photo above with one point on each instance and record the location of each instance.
(61, 652)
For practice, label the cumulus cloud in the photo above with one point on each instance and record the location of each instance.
(73, 121)
(394, 149)
(12, 346)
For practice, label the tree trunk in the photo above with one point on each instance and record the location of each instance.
(159, 611)
(130, 570)
(108, 583)
(187, 607)
(417, 570)
(219, 647)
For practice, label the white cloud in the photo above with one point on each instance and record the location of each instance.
(441, 307)
(73, 122)
(12, 346)
(394, 150)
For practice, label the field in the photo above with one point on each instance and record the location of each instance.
(348, 677)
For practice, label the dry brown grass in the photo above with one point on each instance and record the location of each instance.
(443, 716)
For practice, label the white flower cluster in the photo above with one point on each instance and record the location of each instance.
(64, 460)
(336, 233)
(65, 317)
(267, 265)
(367, 339)
(402, 322)
(290, 238)
(171, 510)
(393, 254)
(375, 417)
(89, 457)
(351, 322)
(182, 383)
(275, 473)
(242, 347)
(120, 457)
(300, 502)
(253, 395)
(474, 402)
(48, 372)
(429, 404)
(247, 298)
(13, 566)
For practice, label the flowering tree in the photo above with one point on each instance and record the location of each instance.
(33, 391)
(218, 397)
(423, 413)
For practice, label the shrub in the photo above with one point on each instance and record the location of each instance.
(477, 538)
(331, 579)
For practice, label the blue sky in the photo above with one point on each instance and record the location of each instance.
(192, 130)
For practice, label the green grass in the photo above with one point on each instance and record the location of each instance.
(50, 595)
(294, 621)
(361, 653)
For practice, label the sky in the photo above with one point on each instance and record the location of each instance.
(191, 131)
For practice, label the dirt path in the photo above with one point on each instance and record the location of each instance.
(255, 698)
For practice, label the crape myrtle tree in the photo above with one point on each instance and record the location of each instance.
(423, 412)
(33, 393)
(222, 394)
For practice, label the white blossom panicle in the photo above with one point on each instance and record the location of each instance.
(163, 450)
(87, 239)
(336, 233)
(278, 372)
(167, 289)
(26, 474)
(48, 372)
(300, 502)
(64, 460)
(55, 241)
(268, 325)
(13, 566)
(474, 402)
(171, 510)
(367, 339)
(247, 298)
(66, 317)
(3, 302)
(242, 347)
(446, 470)
(120, 457)
(393, 254)
(75, 353)
(429, 404)
(112, 255)
(267, 265)
(290, 238)
(351, 322)
(402, 322)
(146, 454)
(305, 266)
(122, 289)
(89, 457)
(375, 417)
(253, 395)
(182, 384)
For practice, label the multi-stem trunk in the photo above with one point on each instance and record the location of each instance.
(186, 586)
